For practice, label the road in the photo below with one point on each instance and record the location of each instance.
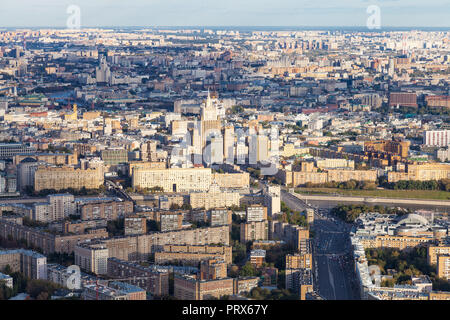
(334, 275)
(442, 204)
(118, 191)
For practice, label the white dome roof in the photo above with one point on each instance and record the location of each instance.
(413, 219)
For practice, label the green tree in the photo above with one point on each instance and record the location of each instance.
(239, 251)
(7, 269)
(248, 270)
(41, 289)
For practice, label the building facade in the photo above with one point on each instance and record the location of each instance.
(30, 263)
(153, 281)
(58, 178)
(173, 179)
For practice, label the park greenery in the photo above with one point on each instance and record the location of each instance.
(58, 149)
(184, 206)
(199, 224)
(383, 193)
(254, 173)
(27, 221)
(276, 294)
(349, 185)
(248, 270)
(64, 259)
(148, 190)
(76, 192)
(37, 289)
(443, 185)
(290, 216)
(406, 263)
(115, 227)
(237, 109)
(276, 255)
(239, 251)
(153, 226)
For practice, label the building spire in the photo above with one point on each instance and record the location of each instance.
(208, 100)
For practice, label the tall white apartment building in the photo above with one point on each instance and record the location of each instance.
(92, 257)
(256, 213)
(439, 138)
(57, 207)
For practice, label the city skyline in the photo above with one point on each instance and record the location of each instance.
(224, 162)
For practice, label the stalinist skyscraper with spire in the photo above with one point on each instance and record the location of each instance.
(210, 122)
(208, 110)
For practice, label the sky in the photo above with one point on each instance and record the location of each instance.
(98, 13)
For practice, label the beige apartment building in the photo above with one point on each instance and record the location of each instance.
(214, 198)
(220, 217)
(335, 163)
(31, 264)
(295, 235)
(145, 165)
(213, 269)
(114, 156)
(92, 257)
(299, 261)
(52, 158)
(439, 295)
(48, 242)
(422, 172)
(434, 251)
(109, 210)
(135, 225)
(256, 212)
(102, 292)
(153, 281)
(140, 247)
(91, 115)
(255, 230)
(299, 280)
(297, 178)
(84, 148)
(193, 253)
(397, 242)
(59, 178)
(173, 179)
(346, 175)
(186, 258)
(190, 288)
(290, 150)
(443, 266)
(237, 180)
(171, 221)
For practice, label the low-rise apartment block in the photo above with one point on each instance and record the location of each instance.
(152, 280)
(193, 254)
(109, 210)
(30, 263)
(59, 178)
(48, 242)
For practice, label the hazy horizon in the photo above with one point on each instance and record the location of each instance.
(204, 13)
